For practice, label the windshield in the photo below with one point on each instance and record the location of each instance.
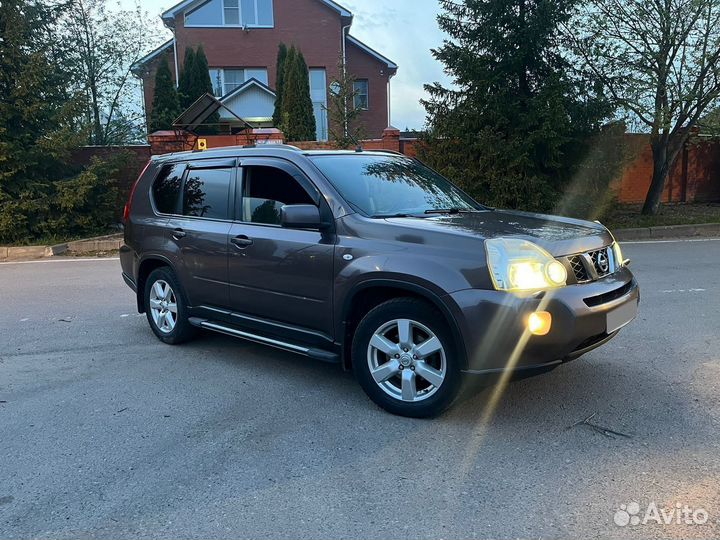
(381, 186)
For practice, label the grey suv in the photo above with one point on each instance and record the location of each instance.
(370, 260)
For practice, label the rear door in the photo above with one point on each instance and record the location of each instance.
(199, 232)
(279, 275)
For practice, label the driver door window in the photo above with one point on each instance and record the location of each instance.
(265, 191)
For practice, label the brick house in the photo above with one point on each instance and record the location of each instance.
(241, 38)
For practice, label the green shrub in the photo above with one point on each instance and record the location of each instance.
(84, 204)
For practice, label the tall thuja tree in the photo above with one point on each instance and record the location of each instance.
(184, 89)
(165, 106)
(306, 114)
(297, 110)
(280, 83)
(288, 94)
(39, 113)
(512, 129)
(201, 84)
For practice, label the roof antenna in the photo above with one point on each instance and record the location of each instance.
(358, 147)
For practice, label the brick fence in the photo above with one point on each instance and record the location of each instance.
(695, 177)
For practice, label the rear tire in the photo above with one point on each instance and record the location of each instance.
(406, 359)
(166, 309)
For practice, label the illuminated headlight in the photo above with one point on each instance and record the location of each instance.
(519, 265)
(618, 254)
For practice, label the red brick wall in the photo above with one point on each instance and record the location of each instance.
(363, 66)
(694, 178)
(166, 142)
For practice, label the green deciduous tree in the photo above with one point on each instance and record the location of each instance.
(165, 105)
(38, 112)
(103, 44)
(297, 109)
(280, 83)
(513, 127)
(660, 61)
(345, 130)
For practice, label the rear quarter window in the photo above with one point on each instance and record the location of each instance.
(207, 193)
(167, 189)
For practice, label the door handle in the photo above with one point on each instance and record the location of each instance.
(241, 242)
(179, 234)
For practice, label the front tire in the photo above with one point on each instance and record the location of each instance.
(405, 358)
(166, 309)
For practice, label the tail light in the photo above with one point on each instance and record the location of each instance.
(128, 205)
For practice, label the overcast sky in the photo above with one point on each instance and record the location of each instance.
(402, 30)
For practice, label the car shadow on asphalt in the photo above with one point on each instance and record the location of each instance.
(623, 396)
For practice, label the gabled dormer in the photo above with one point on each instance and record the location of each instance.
(233, 13)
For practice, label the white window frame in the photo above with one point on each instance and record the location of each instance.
(222, 77)
(241, 25)
(367, 95)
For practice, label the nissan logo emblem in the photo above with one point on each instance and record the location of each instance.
(603, 262)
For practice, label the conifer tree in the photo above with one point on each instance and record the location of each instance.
(512, 130)
(184, 89)
(280, 83)
(165, 106)
(199, 85)
(298, 120)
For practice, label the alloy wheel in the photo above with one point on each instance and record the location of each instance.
(407, 360)
(163, 306)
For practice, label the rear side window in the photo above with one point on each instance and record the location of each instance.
(207, 193)
(167, 188)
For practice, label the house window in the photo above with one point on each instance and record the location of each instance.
(360, 88)
(225, 80)
(247, 13)
(232, 79)
(318, 95)
(231, 10)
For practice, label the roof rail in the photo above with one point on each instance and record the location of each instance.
(384, 151)
(281, 146)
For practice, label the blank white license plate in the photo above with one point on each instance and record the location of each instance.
(621, 316)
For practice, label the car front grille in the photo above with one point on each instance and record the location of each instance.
(581, 273)
(593, 265)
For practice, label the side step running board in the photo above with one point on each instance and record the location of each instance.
(317, 354)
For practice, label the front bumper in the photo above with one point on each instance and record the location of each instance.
(493, 323)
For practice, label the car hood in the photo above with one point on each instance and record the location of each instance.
(558, 235)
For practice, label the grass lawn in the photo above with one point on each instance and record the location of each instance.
(628, 216)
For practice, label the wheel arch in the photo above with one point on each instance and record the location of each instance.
(146, 266)
(366, 295)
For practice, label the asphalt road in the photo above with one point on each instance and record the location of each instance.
(106, 433)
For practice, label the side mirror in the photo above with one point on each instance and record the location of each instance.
(300, 216)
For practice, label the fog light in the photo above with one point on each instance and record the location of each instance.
(539, 323)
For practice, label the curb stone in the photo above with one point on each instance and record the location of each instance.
(101, 243)
(702, 230)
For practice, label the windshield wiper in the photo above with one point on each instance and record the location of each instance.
(388, 216)
(449, 211)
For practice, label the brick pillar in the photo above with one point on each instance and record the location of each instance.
(166, 142)
(391, 139)
(260, 136)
